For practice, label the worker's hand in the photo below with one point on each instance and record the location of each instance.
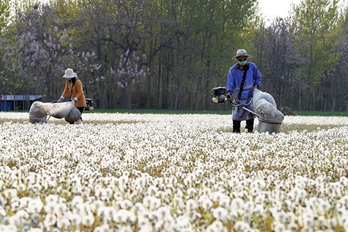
(228, 97)
(59, 100)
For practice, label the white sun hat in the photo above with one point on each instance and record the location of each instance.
(241, 52)
(69, 73)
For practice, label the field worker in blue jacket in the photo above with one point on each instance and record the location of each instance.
(242, 79)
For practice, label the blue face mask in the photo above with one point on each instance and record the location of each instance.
(243, 62)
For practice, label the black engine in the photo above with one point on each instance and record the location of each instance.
(219, 94)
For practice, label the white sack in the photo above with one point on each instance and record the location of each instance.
(37, 113)
(265, 106)
(73, 115)
(60, 110)
(39, 110)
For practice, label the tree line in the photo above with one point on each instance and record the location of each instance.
(169, 54)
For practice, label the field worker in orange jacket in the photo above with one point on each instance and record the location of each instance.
(73, 86)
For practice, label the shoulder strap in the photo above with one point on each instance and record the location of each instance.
(242, 83)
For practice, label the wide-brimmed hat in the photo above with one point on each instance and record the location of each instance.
(69, 73)
(241, 52)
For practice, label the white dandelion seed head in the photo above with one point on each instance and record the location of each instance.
(52, 198)
(163, 212)
(212, 228)
(10, 193)
(103, 228)
(220, 213)
(241, 226)
(23, 202)
(63, 223)
(124, 216)
(158, 181)
(51, 207)
(77, 200)
(237, 203)
(183, 223)
(123, 180)
(50, 219)
(224, 175)
(191, 192)
(87, 220)
(35, 205)
(191, 205)
(207, 204)
(152, 190)
(74, 219)
(21, 217)
(126, 204)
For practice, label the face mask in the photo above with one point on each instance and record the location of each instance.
(243, 62)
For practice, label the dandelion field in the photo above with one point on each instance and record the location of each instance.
(133, 172)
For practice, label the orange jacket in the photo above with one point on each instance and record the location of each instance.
(75, 92)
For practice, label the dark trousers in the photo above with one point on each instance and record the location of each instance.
(81, 111)
(249, 126)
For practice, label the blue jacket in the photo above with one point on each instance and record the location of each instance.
(234, 79)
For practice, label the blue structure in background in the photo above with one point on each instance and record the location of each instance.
(17, 102)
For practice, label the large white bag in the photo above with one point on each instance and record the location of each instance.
(37, 113)
(265, 106)
(73, 115)
(39, 110)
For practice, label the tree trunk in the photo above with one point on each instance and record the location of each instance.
(123, 103)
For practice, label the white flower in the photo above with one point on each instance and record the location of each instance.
(103, 228)
(151, 202)
(152, 190)
(21, 218)
(191, 192)
(220, 213)
(8, 228)
(124, 216)
(10, 193)
(75, 219)
(51, 207)
(123, 180)
(163, 213)
(207, 204)
(88, 220)
(183, 224)
(106, 213)
(63, 223)
(191, 205)
(52, 198)
(237, 203)
(35, 205)
(50, 219)
(143, 219)
(126, 204)
(223, 175)
(76, 201)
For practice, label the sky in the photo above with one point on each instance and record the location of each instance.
(276, 8)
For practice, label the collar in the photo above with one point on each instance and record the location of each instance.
(245, 66)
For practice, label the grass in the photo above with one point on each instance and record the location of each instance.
(154, 111)
(222, 112)
(322, 113)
